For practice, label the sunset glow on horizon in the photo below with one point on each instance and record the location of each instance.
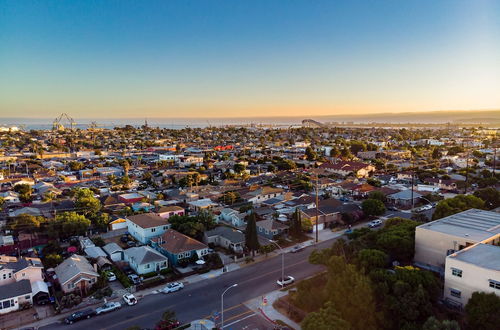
(247, 58)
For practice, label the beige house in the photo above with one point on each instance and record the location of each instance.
(476, 268)
(76, 274)
(13, 270)
(435, 240)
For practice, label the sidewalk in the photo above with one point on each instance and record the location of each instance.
(264, 307)
(17, 320)
(324, 235)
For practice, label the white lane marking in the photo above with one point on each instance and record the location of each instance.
(244, 318)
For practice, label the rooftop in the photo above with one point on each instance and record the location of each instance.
(474, 224)
(482, 255)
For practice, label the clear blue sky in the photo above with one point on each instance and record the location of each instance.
(246, 58)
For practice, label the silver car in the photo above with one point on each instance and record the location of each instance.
(108, 307)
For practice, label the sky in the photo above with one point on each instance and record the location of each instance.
(245, 58)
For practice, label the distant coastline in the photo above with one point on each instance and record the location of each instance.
(478, 117)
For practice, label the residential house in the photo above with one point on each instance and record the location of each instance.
(76, 274)
(204, 204)
(404, 198)
(143, 259)
(435, 240)
(13, 269)
(260, 195)
(95, 252)
(178, 247)
(10, 197)
(145, 226)
(15, 295)
(346, 168)
(229, 238)
(130, 198)
(167, 211)
(232, 217)
(271, 229)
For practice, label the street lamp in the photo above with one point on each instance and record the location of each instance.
(222, 304)
(282, 262)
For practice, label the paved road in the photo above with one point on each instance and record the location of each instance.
(202, 299)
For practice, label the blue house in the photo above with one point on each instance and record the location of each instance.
(177, 247)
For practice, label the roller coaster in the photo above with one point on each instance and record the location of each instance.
(57, 124)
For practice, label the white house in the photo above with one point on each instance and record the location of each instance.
(144, 259)
(14, 295)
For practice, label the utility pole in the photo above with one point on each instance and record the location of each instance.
(466, 171)
(317, 208)
(412, 182)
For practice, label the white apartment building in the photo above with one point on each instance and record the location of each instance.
(435, 240)
(476, 268)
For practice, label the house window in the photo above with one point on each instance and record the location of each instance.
(6, 304)
(165, 228)
(153, 230)
(27, 297)
(10, 275)
(494, 284)
(456, 272)
(146, 266)
(455, 293)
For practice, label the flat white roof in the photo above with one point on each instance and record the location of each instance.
(475, 224)
(482, 255)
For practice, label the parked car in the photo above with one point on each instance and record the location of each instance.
(283, 282)
(80, 315)
(172, 287)
(134, 279)
(375, 223)
(297, 248)
(124, 239)
(111, 276)
(129, 299)
(108, 307)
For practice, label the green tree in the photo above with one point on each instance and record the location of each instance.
(397, 238)
(373, 207)
(369, 259)
(296, 224)
(490, 196)
(311, 155)
(436, 153)
(374, 182)
(433, 323)
(327, 318)
(75, 165)
(334, 152)
(86, 203)
(376, 194)
(482, 311)
(27, 223)
(251, 238)
(25, 192)
(239, 168)
(457, 204)
(52, 260)
(68, 224)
